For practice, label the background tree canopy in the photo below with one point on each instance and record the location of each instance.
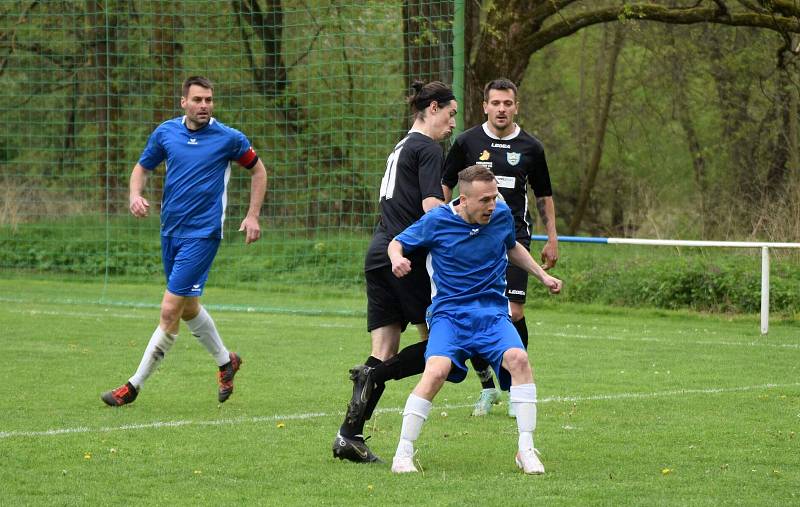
(660, 118)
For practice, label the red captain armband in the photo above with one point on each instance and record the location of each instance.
(249, 158)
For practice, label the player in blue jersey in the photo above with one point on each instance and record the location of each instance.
(518, 161)
(197, 151)
(470, 242)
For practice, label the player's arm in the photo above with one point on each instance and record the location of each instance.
(519, 256)
(430, 202)
(401, 266)
(454, 162)
(137, 204)
(547, 212)
(258, 187)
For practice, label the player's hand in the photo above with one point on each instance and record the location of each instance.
(554, 284)
(139, 206)
(401, 267)
(549, 255)
(252, 231)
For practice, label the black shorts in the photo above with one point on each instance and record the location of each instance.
(516, 284)
(397, 300)
(517, 279)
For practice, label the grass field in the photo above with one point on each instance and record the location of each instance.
(636, 407)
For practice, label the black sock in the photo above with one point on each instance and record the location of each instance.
(522, 329)
(484, 371)
(350, 430)
(372, 402)
(408, 362)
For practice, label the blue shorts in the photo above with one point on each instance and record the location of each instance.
(187, 262)
(459, 336)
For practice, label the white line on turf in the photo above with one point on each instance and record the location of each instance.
(673, 342)
(316, 415)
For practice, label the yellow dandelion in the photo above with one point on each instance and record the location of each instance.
(280, 425)
(666, 471)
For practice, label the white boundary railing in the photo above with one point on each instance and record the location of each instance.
(677, 242)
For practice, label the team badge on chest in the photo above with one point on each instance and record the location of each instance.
(513, 158)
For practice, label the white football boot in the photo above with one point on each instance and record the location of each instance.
(528, 461)
(403, 465)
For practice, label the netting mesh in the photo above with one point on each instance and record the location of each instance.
(318, 87)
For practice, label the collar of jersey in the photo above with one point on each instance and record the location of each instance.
(183, 122)
(452, 205)
(506, 138)
(419, 132)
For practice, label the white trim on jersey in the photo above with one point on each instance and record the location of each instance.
(183, 120)
(525, 215)
(429, 267)
(224, 200)
(510, 136)
(418, 132)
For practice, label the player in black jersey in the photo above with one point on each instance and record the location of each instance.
(517, 160)
(410, 187)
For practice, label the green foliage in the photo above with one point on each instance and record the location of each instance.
(715, 280)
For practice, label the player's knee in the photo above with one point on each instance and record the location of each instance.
(516, 361)
(170, 313)
(517, 311)
(436, 374)
(191, 309)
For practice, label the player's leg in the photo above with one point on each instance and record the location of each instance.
(349, 442)
(413, 292)
(523, 398)
(489, 394)
(384, 323)
(398, 302)
(162, 338)
(415, 413)
(516, 291)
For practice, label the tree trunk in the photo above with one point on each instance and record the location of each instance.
(684, 115)
(600, 131)
(104, 58)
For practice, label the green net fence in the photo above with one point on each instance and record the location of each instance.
(318, 87)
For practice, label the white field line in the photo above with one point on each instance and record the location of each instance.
(673, 342)
(317, 415)
(153, 316)
(115, 315)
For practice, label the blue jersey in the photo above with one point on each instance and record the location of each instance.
(198, 168)
(468, 261)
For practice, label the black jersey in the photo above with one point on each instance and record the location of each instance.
(413, 173)
(516, 160)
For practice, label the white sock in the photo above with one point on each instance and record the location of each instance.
(204, 329)
(156, 349)
(523, 398)
(414, 415)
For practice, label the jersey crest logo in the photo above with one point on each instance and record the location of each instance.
(192, 140)
(513, 158)
(474, 232)
(484, 155)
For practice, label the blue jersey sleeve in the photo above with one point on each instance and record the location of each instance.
(153, 153)
(419, 234)
(240, 145)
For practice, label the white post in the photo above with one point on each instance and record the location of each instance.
(764, 290)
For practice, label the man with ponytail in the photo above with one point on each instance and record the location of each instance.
(410, 187)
